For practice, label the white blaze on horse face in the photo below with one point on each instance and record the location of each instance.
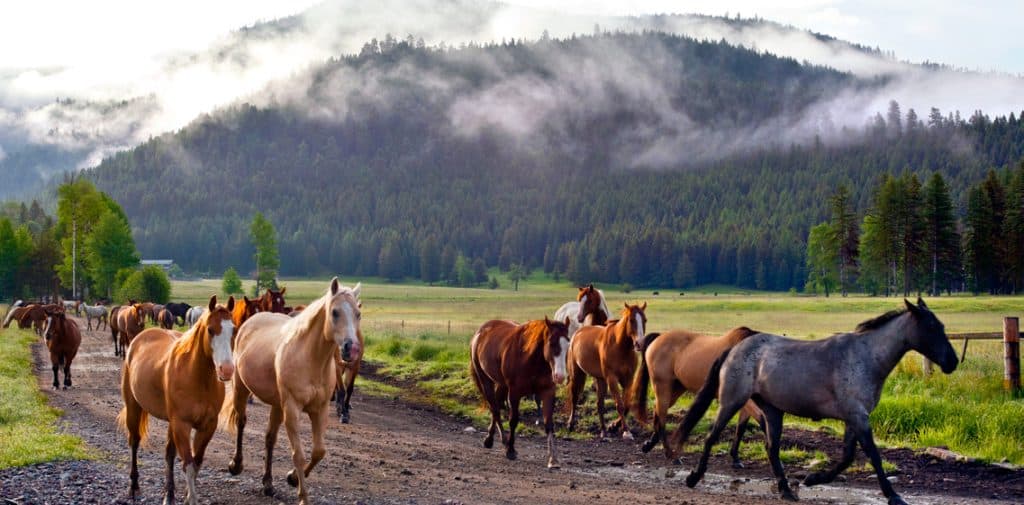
(639, 328)
(351, 337)
(223, 360)
(560, 357)
(46, 330)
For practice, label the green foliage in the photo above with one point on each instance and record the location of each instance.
(822, 259)
(148, 284)
(108, 249)
(232, 283)
(268, 260)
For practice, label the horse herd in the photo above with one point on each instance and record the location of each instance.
(297, 360)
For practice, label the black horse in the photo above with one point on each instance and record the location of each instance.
(178, 310)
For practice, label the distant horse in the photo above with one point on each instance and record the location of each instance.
(147, 311)
(177, 378)
(296, 310)
(608, 354)
(244, 309)
(272, 301)
(178, 310)
(130, 321)
(14, 314)
(115, 330)
(62, 339)
(347, 367)
(156, 312)
(288, 363)
(590, 303)
(165, 320)
(839, 377)
(97, 312)
(193, 315)
(74, 305)
(509, 361)
(35, 316)
(678, 361)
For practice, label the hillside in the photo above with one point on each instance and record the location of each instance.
(650, 158)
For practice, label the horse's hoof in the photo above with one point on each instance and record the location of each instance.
(896, 500)
(345, 419)
(511, 455)
(692, 479)
(553, 465)
(789, 496)
(676, 461)
(626, 435)
(268, 491)
(737, 464)
(235, 467)
(293, 481)
(815, 479)
(488, 442)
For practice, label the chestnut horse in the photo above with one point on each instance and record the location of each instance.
(348, 368)
(678, 361)
(165, 319)
(15, 313)
(148, 312)
(62, 339)
(130, 321)
(177, 378)
(589, 303)
(607, 353)
(509, 361)
(288, 363)
(244, 309)
(272, 301)
(35, 316)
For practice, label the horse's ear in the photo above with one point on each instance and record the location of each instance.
(546, 320)
(590, 286)
(357, 289)
(567, 319)
(213, 303)
(625, 304)
(334, 286)
(283, 290)
(643, 308)
(911, 307)
(581, 289)
(920, 303)
(246, 298)
(231, 304)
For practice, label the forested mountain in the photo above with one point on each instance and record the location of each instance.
(649, 158)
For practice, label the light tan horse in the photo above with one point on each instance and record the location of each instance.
(608, 354)
(174, 377)
(131, 320)
(289, 364)
(678, 361)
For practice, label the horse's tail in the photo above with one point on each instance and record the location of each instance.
(700, 404)
(122, 422)
(474, 371)
(9, 316)
(228, 417)
(643, 378)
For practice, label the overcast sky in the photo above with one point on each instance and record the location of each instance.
(983, 35)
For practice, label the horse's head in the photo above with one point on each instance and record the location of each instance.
(590, 302)
(249, 308)
(343, 315)
(54, 325)
(273, 301)
(217, 331)
(635, 319)
(138, 313)
(556, 347)
(927, 335)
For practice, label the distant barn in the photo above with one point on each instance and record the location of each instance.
(165, 264)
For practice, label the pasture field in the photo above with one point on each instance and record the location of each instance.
(419, 336)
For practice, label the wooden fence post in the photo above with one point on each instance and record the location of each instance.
(1011, 353)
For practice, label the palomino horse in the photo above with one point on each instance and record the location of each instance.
(288, 363)
(509, 361)
(130, 321)
(165, 320)
(272, 301)
(607, 353)
(174, 377)
(839, 377)
(678, 361)
(348, 368)
(97, 312)
(244, 309)
(589, 303)
(62, 339)
(178, 310)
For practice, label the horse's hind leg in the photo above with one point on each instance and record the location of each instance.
(270, 439)
(133, 424)
(666, 393)
(773, 423)
(741, 428)
(577, 380)
(602, 389)
(513, 421)
(239, 396)
(849, 452)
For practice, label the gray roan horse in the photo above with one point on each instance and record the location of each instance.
(839, 377)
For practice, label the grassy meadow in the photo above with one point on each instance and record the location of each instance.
(419, 336)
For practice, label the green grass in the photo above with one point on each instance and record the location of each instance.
(27, 424)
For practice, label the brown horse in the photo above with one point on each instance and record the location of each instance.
(115, 330)
(35, 316)
(130, 321)
(348, 368)
(608, 354)
(165, 319)
(174, 377)
(244, 309)
(289, 364)
(15, 315)
(678, 361)
(62, 339)
(272, 301)
(509, 361)
(148, 312)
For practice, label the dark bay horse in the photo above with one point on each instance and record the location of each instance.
(180, 379)
(608, 354)
(62, 339)
(272, 301)
(839, 377)
(678, 361)
(509, 361)
(165, 320)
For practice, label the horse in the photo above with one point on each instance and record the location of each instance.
(14, 314)
(156, 312)
(288, 363)
(839, 377)
(296, 310)
(347, 369)
(272, 301)
(607, 353)
(97, 312)
(72, 305)
(589, 303)
(178, 310)
(130, 321)
(678, 361)
(35, 316)
(165, 320)
(509, 361)
(62, 339)
(115, 330)
(244, 309)
(178, 378)
(193, 315)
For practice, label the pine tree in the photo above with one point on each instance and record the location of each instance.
(822, 259)
(941, 239)
(108, 248)
(264, 238)
(846, 236)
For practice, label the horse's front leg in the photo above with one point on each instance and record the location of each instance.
(201, 440)
(296, 477)
(548, 409)
(620, 405)
(182, 433)
(67, 373)
(867, 442)
(318, 421)
(513, 404)
(55, 360)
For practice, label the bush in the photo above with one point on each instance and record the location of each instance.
(627, 287)
(149, 284)
(232, 283)
(424, 352)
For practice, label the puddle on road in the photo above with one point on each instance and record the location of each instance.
(759, 487)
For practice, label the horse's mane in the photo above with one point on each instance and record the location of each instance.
(533, 333)
(604, 304)
(304, 322)
(878, 322)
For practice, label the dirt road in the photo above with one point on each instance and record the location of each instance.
(398, 452)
